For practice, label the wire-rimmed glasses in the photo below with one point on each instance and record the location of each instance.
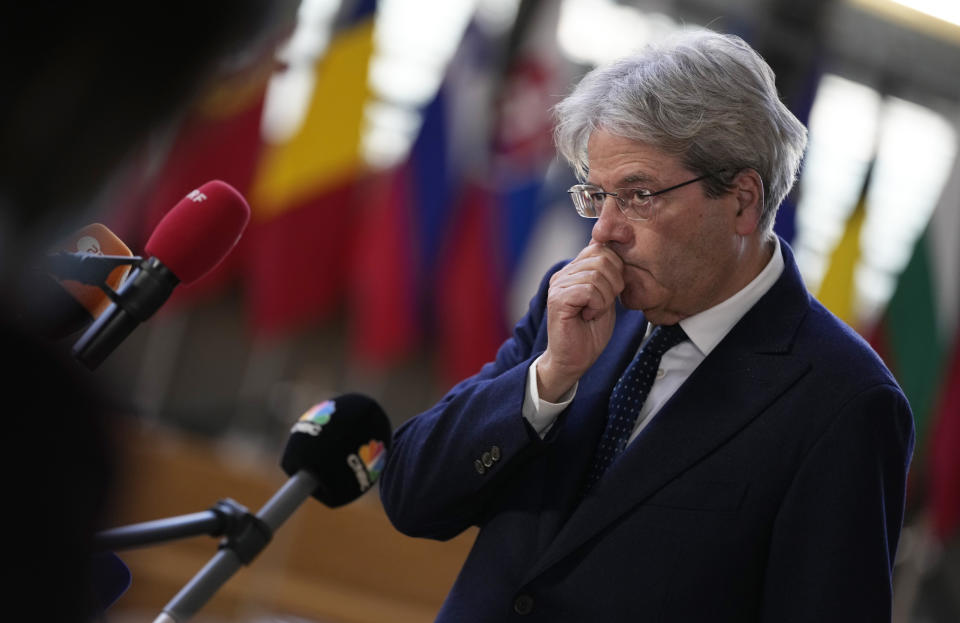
(635, 203)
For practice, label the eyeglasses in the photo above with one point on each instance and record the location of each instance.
(635, 203)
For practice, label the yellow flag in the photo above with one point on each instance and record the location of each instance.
(326, 149)
(837, 288)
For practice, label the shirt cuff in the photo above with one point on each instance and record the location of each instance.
(540, 413)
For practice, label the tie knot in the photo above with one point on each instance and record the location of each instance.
(663, 338)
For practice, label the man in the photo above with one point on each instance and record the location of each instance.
(762, 475)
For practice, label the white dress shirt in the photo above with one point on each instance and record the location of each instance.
(705, 331)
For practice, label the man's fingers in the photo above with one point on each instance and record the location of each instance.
(588, 288)
(595, 265)
(578, 299)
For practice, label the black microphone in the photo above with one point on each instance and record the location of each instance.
(189, 241)
(335, 453)
(343, 442)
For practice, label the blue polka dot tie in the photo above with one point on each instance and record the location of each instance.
(628, 397)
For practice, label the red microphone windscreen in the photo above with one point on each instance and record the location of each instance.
(200, 230)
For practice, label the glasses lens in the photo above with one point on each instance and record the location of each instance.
(585, 200)
(637, 205)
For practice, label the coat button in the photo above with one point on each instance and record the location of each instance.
(523, 604)
(486, 459)
(477, 465)
(495, 453)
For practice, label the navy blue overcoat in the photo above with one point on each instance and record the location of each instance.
(769, 488)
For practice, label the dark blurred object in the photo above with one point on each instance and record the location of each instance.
(84, 85)
(111, 579)
(58, 467)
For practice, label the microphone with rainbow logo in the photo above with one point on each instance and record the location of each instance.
(343, 442)
(335, 453)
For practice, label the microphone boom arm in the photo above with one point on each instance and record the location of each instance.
(226, 517)
(229, 559)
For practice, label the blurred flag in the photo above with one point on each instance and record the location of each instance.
(218, 139)
(405, 220)
(945, 454)
(917, 336)
(304, 194)
(470, 291)
(837, 291)
(497, 216)
(383, 301)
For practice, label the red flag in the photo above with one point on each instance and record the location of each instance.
(470, 310)
(296, 259)
(295, 264)
(945, 455)
(219, 140)
(383, 284)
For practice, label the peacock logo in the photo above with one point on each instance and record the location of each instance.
(316, 417)
(373, 457)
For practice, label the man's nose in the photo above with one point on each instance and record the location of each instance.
(611, 225)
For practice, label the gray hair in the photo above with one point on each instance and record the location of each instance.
(707, 98)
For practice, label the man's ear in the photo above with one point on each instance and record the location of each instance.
(748, 190)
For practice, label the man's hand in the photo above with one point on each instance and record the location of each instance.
(580, 318)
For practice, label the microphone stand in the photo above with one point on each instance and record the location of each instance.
(226, 517)
(246, 535)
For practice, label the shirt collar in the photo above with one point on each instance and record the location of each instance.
(708, 327)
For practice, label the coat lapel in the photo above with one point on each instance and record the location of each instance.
(582, 424)
(747, 371)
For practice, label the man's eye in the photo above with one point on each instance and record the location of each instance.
(638, 194)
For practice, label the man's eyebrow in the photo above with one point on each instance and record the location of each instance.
(635, 178)
(628, 181)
